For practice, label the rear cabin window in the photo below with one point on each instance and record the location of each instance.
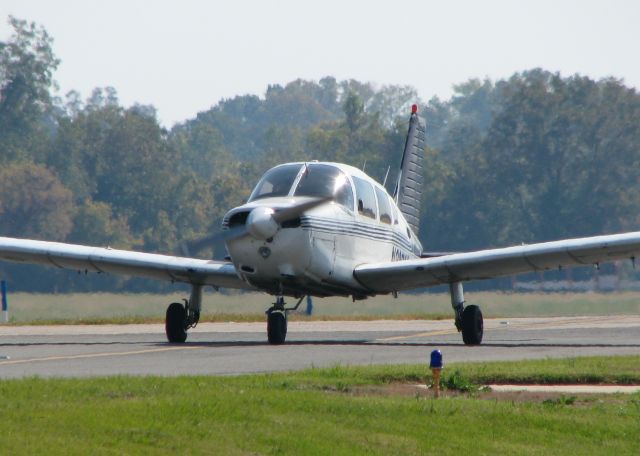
(383, 206)
(365, 197)
(276, 182)
(325, 180)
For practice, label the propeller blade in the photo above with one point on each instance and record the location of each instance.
(194, 246)
(295, 211)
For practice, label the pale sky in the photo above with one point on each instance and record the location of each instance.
(184, 56)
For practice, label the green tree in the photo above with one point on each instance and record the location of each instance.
(558, 159)
(95, 224)
(34, 203)
(27, 64)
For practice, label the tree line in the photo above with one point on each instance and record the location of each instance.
(530, 158)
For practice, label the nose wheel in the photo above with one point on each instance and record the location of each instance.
(277, 321)
(276, 326)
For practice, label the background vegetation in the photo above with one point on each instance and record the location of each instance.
(529, 158)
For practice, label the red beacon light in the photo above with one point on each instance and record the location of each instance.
(414, 109)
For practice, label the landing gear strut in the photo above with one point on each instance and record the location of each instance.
(277, 321)
(180, 317)
(468, 319)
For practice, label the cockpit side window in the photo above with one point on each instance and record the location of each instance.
(384, 206)
(323, 181)
(365, 197)
(276, 182)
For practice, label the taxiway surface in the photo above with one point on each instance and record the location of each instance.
(236, 348)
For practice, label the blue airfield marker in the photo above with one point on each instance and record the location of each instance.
(436, 364)
(5, 308)
(5, 304)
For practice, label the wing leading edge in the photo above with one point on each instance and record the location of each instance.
(107, 260)
(486, 264)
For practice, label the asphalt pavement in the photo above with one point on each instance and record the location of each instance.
(238, 348)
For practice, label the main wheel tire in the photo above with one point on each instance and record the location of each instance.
(276, 327)
(472, 325)
(175, 323)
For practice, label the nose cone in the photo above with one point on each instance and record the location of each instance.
(260, 223)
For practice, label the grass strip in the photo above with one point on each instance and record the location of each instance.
(220, 318)
(144, 307)
(316, 411)
(623, 370)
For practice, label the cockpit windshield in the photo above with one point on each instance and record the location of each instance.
(325, 180)
(276, 182)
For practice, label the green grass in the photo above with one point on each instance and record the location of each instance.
(137, 308)
(317, 411)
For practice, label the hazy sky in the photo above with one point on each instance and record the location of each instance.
(183, 56)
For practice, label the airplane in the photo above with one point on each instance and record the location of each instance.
(327, 229)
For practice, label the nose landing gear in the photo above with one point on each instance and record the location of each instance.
(277, 320)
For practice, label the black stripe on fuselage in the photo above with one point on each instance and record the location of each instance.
(366, 231)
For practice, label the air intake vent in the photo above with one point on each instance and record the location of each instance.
(237, 219)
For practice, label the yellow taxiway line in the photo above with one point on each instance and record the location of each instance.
(441, 332)
(97, 355)
(538, 325)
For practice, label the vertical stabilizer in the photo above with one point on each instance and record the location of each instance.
(408, 191)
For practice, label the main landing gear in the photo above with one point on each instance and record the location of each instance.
(180, 317)
(277, 321)
(468, 319)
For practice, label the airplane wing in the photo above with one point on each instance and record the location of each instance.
(99, 259)
(486, 264)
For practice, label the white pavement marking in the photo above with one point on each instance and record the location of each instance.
(569, 389)
(579, 389)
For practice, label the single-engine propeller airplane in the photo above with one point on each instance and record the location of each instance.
(327, 229)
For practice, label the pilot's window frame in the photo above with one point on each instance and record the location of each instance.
(394, 209)
(385, 212)
(257, 193)
(350, 200)
(366, 209)
(345, 199)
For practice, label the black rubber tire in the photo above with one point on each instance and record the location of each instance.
(472, 325)
(175, 323)
(276, 327)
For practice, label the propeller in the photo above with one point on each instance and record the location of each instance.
(262, 223)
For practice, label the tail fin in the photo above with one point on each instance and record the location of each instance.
(408, 191)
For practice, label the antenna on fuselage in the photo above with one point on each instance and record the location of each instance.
(384, 183)
(364, 165)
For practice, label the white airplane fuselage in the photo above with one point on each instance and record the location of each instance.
(317, 252)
